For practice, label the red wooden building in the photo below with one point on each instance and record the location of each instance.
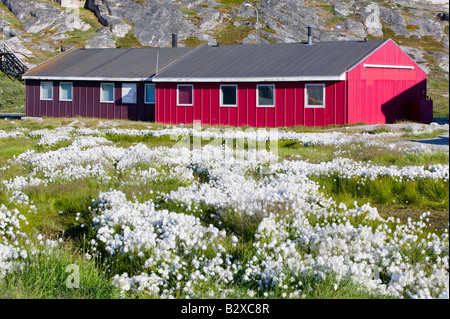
(264, 85)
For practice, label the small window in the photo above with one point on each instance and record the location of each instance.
(129, 93)
(265, 95)
(107, 92)
(315, 95)
(65, 91)
(47, 91)
(185, 96)
(228, 95)
(149, 94)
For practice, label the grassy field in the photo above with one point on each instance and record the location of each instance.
(114, 209)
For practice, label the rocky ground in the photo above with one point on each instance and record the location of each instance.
(152, 22)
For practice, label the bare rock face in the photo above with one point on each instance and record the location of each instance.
(102, 39)
(372, 20)
(38, 16)
(153, 21)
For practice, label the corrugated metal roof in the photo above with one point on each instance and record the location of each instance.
(120, 63)
(280, 61)
(271, 61)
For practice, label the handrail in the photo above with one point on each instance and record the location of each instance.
(18, 66)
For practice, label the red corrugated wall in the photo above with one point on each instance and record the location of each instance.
(382, 95)
(86, 102)
(289, 107)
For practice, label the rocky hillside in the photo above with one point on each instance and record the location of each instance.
(41, 29)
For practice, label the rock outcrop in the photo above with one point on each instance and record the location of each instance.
(152, 22)
(39, 16)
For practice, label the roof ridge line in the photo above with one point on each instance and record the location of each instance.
(177, 60)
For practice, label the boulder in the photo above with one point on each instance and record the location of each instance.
(371, 17)
(102, 39)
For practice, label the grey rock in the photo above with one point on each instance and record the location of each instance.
(16, 45)
(371, 16)
(394, 19)
(43, 46)
(102, 39)
(32, 118)
(10, 32)
(38, 16)
(442, 59)
(341, 9)
(427, 26)
(418, 56)
(356, 28)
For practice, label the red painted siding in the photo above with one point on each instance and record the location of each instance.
(86, 102)
(288, 111)
(382, 95)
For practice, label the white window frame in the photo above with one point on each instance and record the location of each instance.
(71, 91)
(306, 96)
(221, 96)
(135, 93)
(145, 93)
(178, 94)
(101, 88)
(257, 95)
(51, 98)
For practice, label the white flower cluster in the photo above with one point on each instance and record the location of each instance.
(250, 134)
(52, 137)
(299, 232)
(163, 240)
(13, 134)
(10, 235)
(348, 168)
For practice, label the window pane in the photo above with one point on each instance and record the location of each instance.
(149, 93)
(185, 95)
(46, 90)
(107, 93)
(129, 93)
(265, 95)
(315, 94)
(228, 95)
(66, 91)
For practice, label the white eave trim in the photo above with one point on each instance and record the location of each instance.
(73, 78)
(382, 66)
(340, 77)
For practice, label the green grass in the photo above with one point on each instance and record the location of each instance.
(128, 41)
(62, 274)
(193, 41)
(232, 34)
(12, 95)
(59, 203)
(423, 194)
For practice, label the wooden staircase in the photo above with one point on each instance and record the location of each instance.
(11, 64)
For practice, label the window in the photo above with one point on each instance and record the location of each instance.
(265, 95)
(149, 94)
(228, 95)
(46, 90)
(65, 91)
(107, 92)
(185, 96)
(129, 93)
(315, 95)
